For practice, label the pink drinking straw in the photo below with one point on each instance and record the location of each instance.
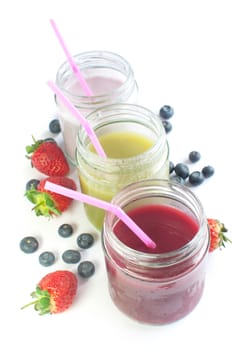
(80, 118)
(70, 59)
(116, 210)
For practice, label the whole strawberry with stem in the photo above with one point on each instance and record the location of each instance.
(55, 292)
(48, 203)
(47, 157)
(218, 236)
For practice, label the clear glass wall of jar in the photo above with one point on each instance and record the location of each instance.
(103, 178)
(111, 80)
(156, 288)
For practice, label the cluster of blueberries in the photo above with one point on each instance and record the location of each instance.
(180, 172)
(85, 269)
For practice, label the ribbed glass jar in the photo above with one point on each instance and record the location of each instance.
(150, 287)
(104, 177)
(111, 80)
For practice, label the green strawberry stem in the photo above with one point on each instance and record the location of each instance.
(224, 238)
(51, 209)
(42, 302)
(44, 205)
(34, 146)
(29, 304)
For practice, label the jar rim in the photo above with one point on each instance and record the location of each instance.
(156, 259)
(98, 56)
(97, 119)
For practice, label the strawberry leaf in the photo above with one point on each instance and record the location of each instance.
(44, 204)
(42, 304)
(34, 146)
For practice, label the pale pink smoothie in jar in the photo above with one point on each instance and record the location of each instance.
(110, 79)
(162, 285)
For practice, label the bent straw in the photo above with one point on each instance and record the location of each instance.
(70, 59)
(116, 210)
(80, 118)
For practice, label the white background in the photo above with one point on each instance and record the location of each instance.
(181, 55)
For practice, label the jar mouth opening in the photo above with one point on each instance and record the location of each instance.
(127, 195)
(121, 116)
(97, 60)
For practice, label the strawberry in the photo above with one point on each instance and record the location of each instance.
(55, 292)
(48, 158)
(48, 203)
(217, 234)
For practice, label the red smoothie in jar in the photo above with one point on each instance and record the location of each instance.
(162, 285)
(168, 227)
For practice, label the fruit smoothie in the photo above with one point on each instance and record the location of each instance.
(123, 144)
(135, 144)
(117, 145)
(69, 125)
(168, 227)
(163, 284)
(110, 79)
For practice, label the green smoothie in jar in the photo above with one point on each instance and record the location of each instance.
(136, 147)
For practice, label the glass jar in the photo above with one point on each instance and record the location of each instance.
(157, 288)
(111, 80)
(104, 177)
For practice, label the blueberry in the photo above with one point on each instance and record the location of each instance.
(178, 179)
(46, 258)
(171, 167)
(71, 256)
(29, 244)
(65, 230)
(32, 184)
(49, 139)
(182, 170)
(54, 126)
(166, 112)
(86, 269)
(167, 126)
(207, 171)
(85, 240)
(196, 178)
(194, 156)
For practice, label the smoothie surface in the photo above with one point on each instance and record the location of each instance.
(168, 227)
(124, 144)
